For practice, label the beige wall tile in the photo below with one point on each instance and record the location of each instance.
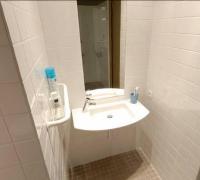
(12, 99)
(168, 136)
(14, 172)
(20, 127)
(8, 72)
(11, 20)
(35, 171)
(28, 151)
(8, 156)
(4, 134)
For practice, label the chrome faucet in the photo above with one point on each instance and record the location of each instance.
(88, 102)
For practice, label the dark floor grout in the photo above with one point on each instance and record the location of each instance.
(130, 165)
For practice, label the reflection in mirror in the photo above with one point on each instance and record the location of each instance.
(99, 23)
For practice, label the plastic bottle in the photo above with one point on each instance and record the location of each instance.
(55, 98)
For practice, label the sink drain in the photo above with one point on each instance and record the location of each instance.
(109, 116)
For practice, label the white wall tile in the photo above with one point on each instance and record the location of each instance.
(26, 33)
(187, 25)
(139, 27)
(183, 9)
(163, 25)
(188, 42)
(138, 33)
(140, 3)
(22, 18)
(163, 10)
(139, 12)
(168, 136)
(30, 90)
(11, 22)
(33, 51)
(64, 45)
(23, 65)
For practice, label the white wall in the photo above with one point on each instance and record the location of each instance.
(170, 135)
(138, 31)
(62, 39)
(20, 152)
(64, 52)
(23, 20)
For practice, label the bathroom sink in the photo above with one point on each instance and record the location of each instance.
(108, 115)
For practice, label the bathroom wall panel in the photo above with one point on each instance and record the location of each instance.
(138, 32)
(170, 135)
(19, 146)
(140, 3)
(64, 52)
(63, 46)
(26, 121)
(62, 41)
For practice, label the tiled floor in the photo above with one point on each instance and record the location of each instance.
(126, 166)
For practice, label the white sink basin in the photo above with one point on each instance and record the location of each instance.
(109, 115)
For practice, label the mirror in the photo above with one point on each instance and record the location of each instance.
(100, 27)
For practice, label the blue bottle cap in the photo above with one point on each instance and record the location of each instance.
(50, 72)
